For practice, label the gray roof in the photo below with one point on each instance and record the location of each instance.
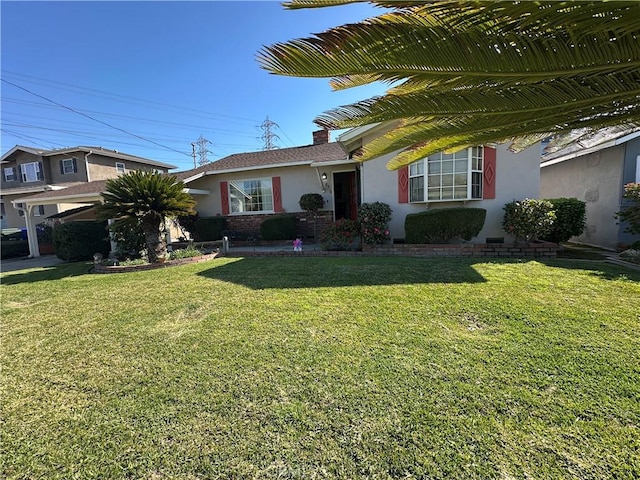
(325, 152)
(85, 149)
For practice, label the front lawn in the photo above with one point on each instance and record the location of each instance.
(322, 368)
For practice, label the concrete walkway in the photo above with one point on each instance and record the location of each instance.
(22, 263)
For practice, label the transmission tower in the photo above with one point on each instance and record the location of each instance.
(268, 137)
(200, 147)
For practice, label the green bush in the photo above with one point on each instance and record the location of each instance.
(631, 213)
(374, 221)
(187, 224)
(187, 252)
(14, 248)
(280, 227)
(311, 202)
(341, 235)
(77, 241)
(571, 215)
(528, 219)
(443, 225)
(130, 241)
(208, 229)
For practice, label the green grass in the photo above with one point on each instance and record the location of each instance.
(322, 368)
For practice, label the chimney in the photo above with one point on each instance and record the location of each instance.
(321, 136)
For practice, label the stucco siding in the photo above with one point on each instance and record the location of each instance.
(596, 179)
(102, 167)
(517, 177)
(294, 181)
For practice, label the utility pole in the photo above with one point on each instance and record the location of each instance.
(268, 137)
(202, 151)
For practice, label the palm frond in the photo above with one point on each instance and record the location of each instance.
(466, 72)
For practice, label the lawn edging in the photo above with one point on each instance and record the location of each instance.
(97, 268)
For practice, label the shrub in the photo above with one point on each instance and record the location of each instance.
(571, 215)
(130, 241)
(187, 223)
(280, 227)
(341, 235)
(208, 229)
(14, 248)
(443, 225)
(77, 241)
(311, 202)
(44, 233)
(187, 252)
(374, 222)
(631, 213)
(528, 219)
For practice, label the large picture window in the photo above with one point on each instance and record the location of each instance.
(251, 195)
(31, 172)
(447, 176)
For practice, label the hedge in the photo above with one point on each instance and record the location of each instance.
(571, 215)
(208, 229)
(280, 227)
(443, 225)
(14, 248)
(76, 241)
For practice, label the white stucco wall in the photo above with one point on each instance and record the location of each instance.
(517, 177)
(596, 179)
(294, 181)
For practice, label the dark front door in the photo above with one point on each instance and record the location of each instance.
(345, 195)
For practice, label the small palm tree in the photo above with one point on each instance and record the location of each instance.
(146, 199)
(474, 72)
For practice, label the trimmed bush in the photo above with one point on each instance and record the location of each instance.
(341, 235)
(444, 225)
(78, 241)
(374, 221)
(14, 248)
(311, 202)
(280, 227)
(631, 213)
(571, 217)
(208, 229)
(528, 219)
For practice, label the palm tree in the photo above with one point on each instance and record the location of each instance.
(467, 73)
(146, 199)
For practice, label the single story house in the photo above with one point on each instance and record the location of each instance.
(595, 171)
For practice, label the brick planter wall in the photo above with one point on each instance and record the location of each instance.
(535, 250)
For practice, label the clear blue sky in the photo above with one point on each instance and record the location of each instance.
(164, 71)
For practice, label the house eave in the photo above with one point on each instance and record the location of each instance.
(611, 143)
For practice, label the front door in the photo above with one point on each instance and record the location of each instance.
(345, 195)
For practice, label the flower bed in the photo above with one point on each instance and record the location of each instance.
(98, 268)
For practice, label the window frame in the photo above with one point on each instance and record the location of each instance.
(13, 174)
(440, 174)
(266, 201)
(38, 210)
(121, 167)
(64, 166)
(38, 172)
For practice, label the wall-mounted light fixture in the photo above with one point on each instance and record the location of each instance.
(324, 176)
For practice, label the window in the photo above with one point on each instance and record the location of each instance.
(31, 172)
(38, 210)
(10, 174)
(68, 165)
(20, 207)
(251, 196)
(447, 176)
(120, 167)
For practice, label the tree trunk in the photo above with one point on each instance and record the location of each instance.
(154, 238)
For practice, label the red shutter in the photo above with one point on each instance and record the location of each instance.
(277, 195)
(489, 173)
(403, 184)
(224, 197)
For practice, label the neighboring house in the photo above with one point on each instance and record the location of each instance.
(248, 187)
(595, 171)
(28, 172)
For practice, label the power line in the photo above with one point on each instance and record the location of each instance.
(92, 118)
(138, 100)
